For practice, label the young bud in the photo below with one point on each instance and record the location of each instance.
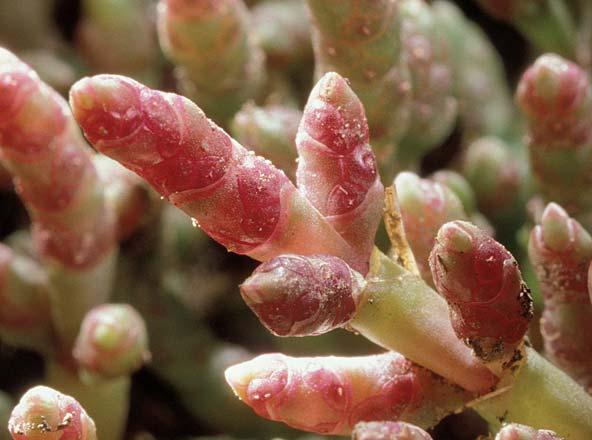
(44, 413)
(490, 306)
(330, 395)
(293, 295)
(515, 431)
(560, 251)
(552, 88)
(388, 431)
(495, 175)
(425, 206)
(112, 341)
(337, 168)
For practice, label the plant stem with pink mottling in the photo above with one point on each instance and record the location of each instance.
(337, 169)
(329, 395)
(556, 97)
(239, 199)
(72, 225)
(560, 251)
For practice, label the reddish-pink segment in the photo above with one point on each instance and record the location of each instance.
(560, 251)
(45, 413)
(490, 304)
(337, 168)
(294, 295)
(52, 168)
(552, 93)
(238, 198)
(330, 395)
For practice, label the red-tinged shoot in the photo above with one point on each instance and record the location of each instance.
(112, 342)
(389, 431)
(555, 93)
(490, 306)
(239, 199)
(330, 395)
(41, 146)
(425, 206)
(560, 250)
(515, 431)
(46, 414)
(293, 295)
(336, 167)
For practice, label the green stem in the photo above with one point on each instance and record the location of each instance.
(74, 292)
(402, 313)
(549, 27)
(544, 397)
(107, 402)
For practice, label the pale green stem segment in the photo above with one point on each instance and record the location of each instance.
(402, 313)
(106, 402)
(549, 26)
(544, 397)
(73, 292)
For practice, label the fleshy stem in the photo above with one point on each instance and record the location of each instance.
(219, 64)
(72, 225)
(433, 106)
(548, 24)
(556, 97)
(360, 39)
(560, 251)
(329, 395)
(479, 75)
(239, 199)
(337, 169)
(297, 295)
(25, 319)
(103, 27)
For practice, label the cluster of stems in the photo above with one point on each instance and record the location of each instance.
(329, 187)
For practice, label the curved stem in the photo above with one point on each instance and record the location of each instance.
(402, 313)
(541, 396)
